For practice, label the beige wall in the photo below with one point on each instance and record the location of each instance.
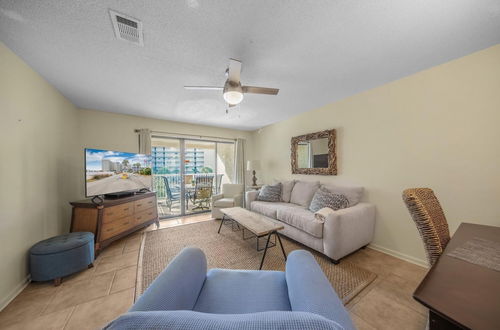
(105, 130)
(37, 166)
(438, 128)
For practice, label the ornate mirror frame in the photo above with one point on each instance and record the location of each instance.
(332, 157)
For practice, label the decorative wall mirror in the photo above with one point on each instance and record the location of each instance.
(314, 153)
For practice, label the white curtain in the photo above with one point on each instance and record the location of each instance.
(145, 141)
(239, 162)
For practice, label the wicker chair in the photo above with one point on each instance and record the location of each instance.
(428, 215)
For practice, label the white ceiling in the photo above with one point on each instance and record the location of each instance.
(315, 51)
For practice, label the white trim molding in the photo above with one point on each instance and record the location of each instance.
(399, 255)
(13, 294)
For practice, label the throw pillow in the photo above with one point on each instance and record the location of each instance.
(286, 189)
(303, 192)
(353, 193)
(325, 198)
(270, 193)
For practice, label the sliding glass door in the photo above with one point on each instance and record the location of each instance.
(188, 172)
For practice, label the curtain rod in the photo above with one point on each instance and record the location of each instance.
(173, 134)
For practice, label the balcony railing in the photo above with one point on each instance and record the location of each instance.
(174, 182)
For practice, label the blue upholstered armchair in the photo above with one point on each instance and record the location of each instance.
(185, 296)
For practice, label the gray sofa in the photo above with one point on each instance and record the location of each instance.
(341, 233)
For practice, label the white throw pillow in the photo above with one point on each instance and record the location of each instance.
(286, 190)
(303, 192)
(353, 193)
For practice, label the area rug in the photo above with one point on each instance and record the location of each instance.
(229, 250)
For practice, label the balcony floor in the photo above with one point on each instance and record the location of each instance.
(165, 212)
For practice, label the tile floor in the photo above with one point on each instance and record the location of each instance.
(90, 299)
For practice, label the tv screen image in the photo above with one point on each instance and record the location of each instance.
(110, 171)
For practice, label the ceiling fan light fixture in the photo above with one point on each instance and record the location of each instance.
(233, 97)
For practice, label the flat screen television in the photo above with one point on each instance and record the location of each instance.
(110, 172)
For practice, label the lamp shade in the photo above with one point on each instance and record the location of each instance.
(233, 97)
(253, 165)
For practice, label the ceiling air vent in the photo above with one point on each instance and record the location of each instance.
(127, 28)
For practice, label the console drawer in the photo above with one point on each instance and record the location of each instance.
(116, 227)
(145, 204)
(146, 215)
(116, 212)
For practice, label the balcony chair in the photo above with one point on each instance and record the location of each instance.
(171, 195)
(431, 223)
(202, 194)
(231, 196)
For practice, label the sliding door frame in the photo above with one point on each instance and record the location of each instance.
(182, 160)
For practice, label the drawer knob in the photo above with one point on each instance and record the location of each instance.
(126, 209)
(138, 218)
(110, 213)
(110, 229)
(139, 204)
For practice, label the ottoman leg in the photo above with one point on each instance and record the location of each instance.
(90, 265)
(57, 281)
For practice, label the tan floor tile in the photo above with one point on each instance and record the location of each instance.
(107, 264)
(361, 324)
(28, 304)
(46, 287)
(385, 313)
(410, 272)
(124, 279)
(99, 312)
(80, 276)
(115, 249)
(377, 262)
(52, 321)
(401, 290)
(132, 244)
(74, 293)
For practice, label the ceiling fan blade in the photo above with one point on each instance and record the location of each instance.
(260, 90)
(231, 105)
(234, 70)
(214, 88)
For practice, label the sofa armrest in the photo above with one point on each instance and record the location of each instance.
(238, 200)
(250, 196)
(310, 291)
(178, 286)
(217, 197)
(349, 229)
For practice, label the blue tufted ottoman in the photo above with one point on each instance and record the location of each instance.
(61, 255)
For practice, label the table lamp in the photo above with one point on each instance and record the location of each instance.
(253, 165)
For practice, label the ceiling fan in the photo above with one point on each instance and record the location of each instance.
(232, 90)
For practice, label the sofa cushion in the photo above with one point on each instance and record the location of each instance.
(269, 208)
(228, 291)
(303, 192)
(325, 198)
(270, 193)
(286, 190)
(224, 202)
(353, 193)
(301, 219)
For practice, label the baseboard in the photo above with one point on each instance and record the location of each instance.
(13, 294)
(399, 255)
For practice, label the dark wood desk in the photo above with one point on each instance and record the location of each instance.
(459, 294)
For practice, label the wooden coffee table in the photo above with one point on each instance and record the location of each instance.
(257, 224)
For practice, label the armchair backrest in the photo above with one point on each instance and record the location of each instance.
(232, 189)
